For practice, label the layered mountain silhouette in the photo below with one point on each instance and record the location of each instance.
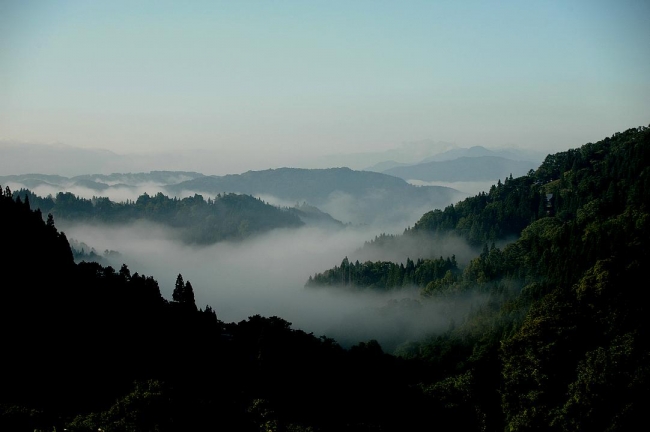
(463, 169)
(361, 197)
(349, 196)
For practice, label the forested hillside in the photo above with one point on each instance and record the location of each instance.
(89, 347)
(197, 220)
(560, 341)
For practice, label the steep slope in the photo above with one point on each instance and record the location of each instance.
(91, 348)
(562, 340)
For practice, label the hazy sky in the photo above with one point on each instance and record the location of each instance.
(274, 81)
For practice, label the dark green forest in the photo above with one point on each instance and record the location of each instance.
(561, 342)
(197, 220)
(386, 275)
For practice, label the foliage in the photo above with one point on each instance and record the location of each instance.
(227, 217)
(561, 341)
(383, 275)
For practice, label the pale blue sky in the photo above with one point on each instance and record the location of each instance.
(279, 81)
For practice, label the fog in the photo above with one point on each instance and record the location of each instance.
(468, 188)
(423, 245)
(266, 275)
(116, 193)
(378, 210)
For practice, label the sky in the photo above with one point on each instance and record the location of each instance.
(278, 83)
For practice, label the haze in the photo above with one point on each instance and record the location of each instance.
(225, 87)
(266, 275)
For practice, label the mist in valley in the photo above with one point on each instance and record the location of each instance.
(465, 188)
(116, 193)
(266, 275)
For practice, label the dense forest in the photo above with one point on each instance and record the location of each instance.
(386, 275)
(561, 342)
(196, 220)
(89, 347)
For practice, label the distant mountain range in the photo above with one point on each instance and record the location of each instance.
(334, 196)
(481, 168)
(479, 151)
(408, 153)
(360, 197)
(379, 194)
(464, 165)
(66, 160)
(100, 182)
(459, 152)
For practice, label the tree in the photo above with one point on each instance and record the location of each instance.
(125, 273)
(188, 295)
(183, 292)
(179, 287)
(50, 221)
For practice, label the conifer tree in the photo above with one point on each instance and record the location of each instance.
(188, 295)
(183, 292)
(179, 287)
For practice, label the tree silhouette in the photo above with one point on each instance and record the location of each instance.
(183, 292)
(179, 287)
(188, 295)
